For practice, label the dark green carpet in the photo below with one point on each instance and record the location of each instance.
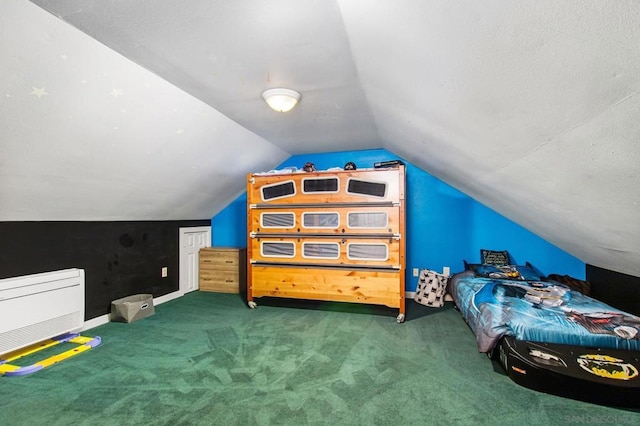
(207, 359)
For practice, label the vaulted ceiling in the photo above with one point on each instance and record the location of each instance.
(151, 110)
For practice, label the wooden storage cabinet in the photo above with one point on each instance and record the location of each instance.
(222, 269)
(329, 235)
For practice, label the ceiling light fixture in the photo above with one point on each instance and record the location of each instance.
(281, 100)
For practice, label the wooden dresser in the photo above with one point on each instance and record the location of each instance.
(222, 269)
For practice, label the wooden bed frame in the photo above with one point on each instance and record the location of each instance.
(329, 235)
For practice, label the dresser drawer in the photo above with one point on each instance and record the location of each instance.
(220, 275)
(219, 284)
(215, 259)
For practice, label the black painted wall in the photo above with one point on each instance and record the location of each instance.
(119, 258)
(619, 290)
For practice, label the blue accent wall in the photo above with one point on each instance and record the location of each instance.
(229, 226)
(444, 226)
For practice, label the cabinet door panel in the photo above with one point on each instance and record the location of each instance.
(366, 252)
(358, 187)
(331, 220)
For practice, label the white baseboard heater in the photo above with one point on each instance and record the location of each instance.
(37, 307)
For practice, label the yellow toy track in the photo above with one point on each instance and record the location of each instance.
(7, 369)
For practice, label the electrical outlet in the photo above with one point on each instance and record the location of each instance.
(415, 272)
(446, 271)
(165, 271)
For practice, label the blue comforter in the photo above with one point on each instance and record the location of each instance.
(540, 312)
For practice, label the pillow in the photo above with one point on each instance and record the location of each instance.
(482, 270)
(493, 257)
(473, 266)
(529, 272)
(504, 272)
(479, 269)
(576, 284)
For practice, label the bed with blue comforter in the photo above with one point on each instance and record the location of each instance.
(549, 337)
(501, 301)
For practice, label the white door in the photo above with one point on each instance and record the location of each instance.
(191, 241)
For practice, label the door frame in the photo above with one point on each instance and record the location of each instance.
(183, 284)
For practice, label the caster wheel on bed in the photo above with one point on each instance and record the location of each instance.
(252, 304)
(400, 318)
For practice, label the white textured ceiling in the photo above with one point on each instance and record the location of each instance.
(532, 108)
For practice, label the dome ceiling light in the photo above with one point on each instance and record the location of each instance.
(281, 100)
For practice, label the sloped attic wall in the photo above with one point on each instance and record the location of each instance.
(444, 226)
(530, 107)
(98, 155)
(89, 135)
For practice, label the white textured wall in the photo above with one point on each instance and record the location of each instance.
(89, 135)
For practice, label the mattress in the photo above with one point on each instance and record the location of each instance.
(540, 311)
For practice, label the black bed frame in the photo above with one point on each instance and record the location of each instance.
(601, 376)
